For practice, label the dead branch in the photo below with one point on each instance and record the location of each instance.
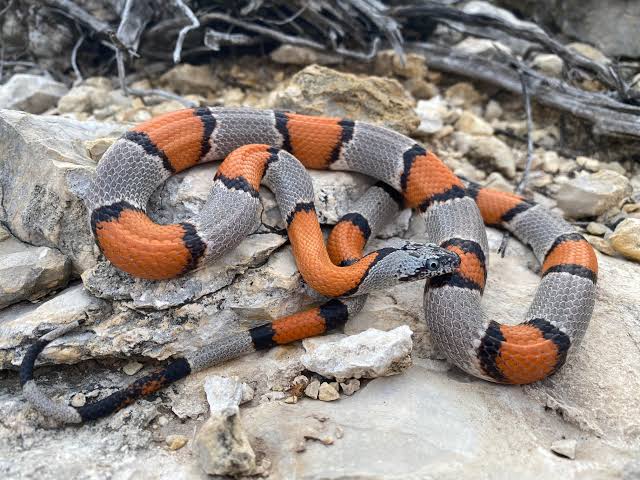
(195, 23)
(608, 115)
(605, 73)
(80, 14)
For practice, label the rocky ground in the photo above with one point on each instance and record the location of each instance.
(378, 403)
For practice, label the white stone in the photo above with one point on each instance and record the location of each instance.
(176, 442)
(78, 400)
(131, 368)
(596, 228)
(312, 389)
(550, 162)
(472, 124)
(432, 113)
(590, 195)
(328, 393)
(295, 55)
(549, 64)
(626, 238)
(372, 353)
(222, 447)
(225, 394)
(31, 93)
(483, 47)
(350, 387)
(20, 324)
(565, 448)
(494, 152)
(493, 111)
(28, 272)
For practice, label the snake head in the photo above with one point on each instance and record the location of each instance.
(426, 260)
(410, 262)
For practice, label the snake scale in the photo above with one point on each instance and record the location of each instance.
(274, 147)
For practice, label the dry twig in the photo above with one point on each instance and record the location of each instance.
(195, 23)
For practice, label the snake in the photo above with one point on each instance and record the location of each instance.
(275, 148)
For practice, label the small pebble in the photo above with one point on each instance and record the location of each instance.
(350, 387)
(328, 393)
(301, 380)
(626, 238)
(339, 431)
(601, 245)
(176, 442)
(312, 389)
(313, 435)
(493, 111)
(595, 228)
(550, 162)
(587, 163)
(272, 396)
(291, 399)
(162, 420)
(132, 368)
(78, 400)
(565, 448)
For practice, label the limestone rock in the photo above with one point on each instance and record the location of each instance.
(94, 98)
(45, 168)
(596, 228)
(105, 281)
(176, 442)
(591, 164)
(31, 93)
(549, 64)
(131, 368)
(20, 324)
(28, 272)
(295, 55)
(372, 353)
(483, 47)
(588, 51)
(388, 63)
(551, 162)
(432, 113)
(600, 244)
(590, 195)
(626, 238)
(463, 94)
(191, 79)
(318, 90)
(493, 111)
(494, 152)
(565, 448)
(313, 389)
(222, 447)
(225, 394)
(470, 123)
(328, 393)
(350, 387)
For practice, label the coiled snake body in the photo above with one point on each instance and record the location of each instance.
(262, 146)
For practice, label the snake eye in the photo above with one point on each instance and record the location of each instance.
(434, 265)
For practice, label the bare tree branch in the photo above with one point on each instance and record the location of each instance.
(434, 10)
(608, 115)
(195, 23)
(80, 14)
(74, 58)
